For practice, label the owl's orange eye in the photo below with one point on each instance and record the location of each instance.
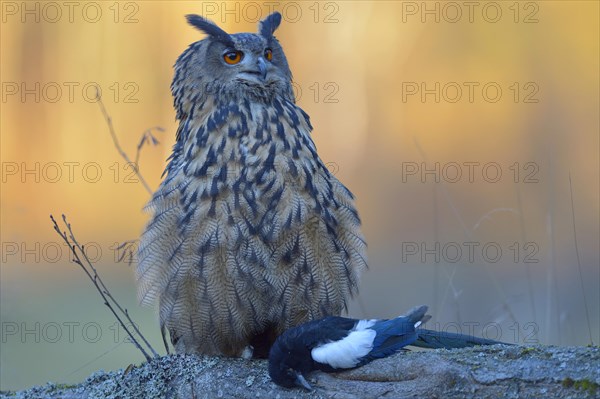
(233, 57)
(269, 54)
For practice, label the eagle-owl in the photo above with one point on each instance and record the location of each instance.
(250, 233)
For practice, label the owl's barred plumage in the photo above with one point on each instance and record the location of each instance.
(250, 232)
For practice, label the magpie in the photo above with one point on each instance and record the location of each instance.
(339, 343)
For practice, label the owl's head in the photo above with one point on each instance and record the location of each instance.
(241, 65)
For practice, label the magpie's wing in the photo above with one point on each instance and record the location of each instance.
(395, 334)
(318, 332)
(340, 343)
(329, 329)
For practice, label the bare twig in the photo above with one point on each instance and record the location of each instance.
(94, 360)
(587, 312)
(488, 216)
(147, 137)
(80, 258)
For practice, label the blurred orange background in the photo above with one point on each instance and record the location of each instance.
(456, 125)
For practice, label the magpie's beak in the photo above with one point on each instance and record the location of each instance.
(301, 382)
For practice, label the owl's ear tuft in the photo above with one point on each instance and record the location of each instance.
(268, 25)
(209, 28)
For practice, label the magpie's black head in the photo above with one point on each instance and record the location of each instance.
(289, 360)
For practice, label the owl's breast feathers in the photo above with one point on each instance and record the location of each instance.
(249, 231)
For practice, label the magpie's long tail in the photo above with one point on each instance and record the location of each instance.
(436, 339)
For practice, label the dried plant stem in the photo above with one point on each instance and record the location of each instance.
(80, 258)
(469, 233)
(587, 312)
(527, 265)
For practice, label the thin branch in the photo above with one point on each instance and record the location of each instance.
(147, 138)
(93, 360)
(587, 312)
(147, 134)
(488, 216)
(85, 264)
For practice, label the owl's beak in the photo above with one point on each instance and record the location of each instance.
(258, 73)
(262, 67)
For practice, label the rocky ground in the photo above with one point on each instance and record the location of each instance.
(480, 372)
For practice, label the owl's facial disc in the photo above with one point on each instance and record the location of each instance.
(251, 60)
(250, 67)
